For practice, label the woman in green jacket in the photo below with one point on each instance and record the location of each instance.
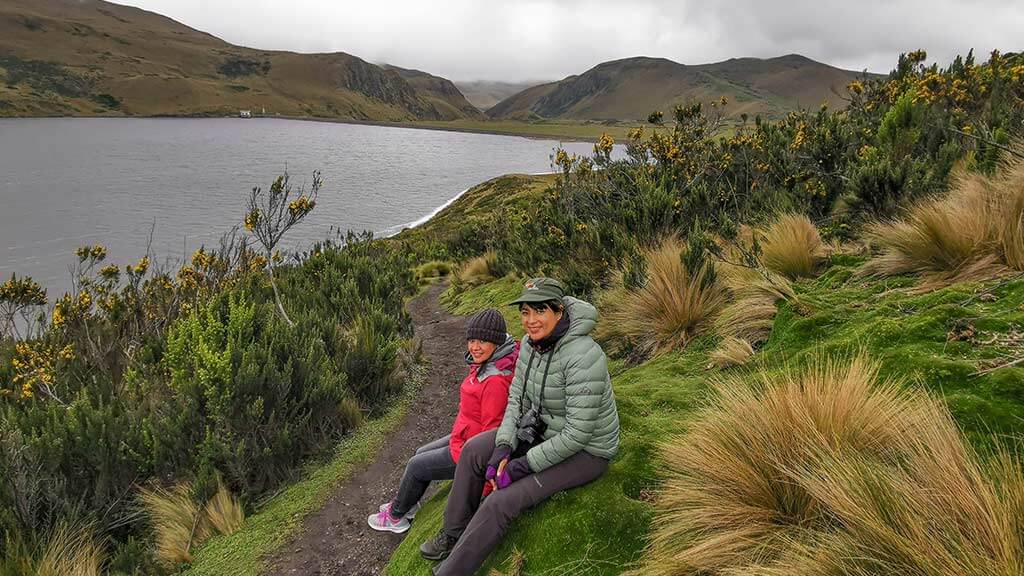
(560, 429)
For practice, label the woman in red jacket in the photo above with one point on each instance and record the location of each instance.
(491, 355)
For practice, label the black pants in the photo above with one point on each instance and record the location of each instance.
(480, 527)
(431, 462)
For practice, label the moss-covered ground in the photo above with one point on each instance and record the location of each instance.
(944, 341)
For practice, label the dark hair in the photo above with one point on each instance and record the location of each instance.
(553, 305)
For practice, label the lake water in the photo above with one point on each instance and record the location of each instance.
(66, 182)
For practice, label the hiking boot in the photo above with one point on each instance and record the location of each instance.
(408, 515)
(383, 521)
(438, 547)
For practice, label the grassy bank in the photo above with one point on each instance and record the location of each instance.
(937, 342)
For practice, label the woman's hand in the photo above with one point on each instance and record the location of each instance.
(496, 465)
(515, 470)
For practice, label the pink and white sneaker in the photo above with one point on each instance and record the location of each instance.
(411, 514)
(382, 521)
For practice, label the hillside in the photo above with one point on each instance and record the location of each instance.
(90, 57)
(632, 88)
(485, 94)
(441, 92)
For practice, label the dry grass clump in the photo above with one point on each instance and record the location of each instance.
(224, 512)
(671, 305)
(792, 246)
(181, 524)
(731, 352)
(830, 472)
(973, 233)
(479, 270)
(755, 295)
(71, 552)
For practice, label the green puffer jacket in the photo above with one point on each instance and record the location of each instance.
(579, 405)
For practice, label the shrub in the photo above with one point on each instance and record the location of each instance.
(829, 471)
(791, 246)
(371, 359)
(676, 300)
(430, 272)
(973, 233)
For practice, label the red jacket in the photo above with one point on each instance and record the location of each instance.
(484, 395)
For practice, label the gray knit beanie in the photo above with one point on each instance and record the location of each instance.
(487, 325)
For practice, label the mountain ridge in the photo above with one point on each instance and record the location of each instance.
(631, 88)
(91, 57)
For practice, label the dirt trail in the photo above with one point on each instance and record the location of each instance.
(336, 540)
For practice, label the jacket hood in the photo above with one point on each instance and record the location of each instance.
(582, 317)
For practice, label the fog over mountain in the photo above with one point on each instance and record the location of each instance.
(520, 40)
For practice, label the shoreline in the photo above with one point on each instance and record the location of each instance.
(518, 129)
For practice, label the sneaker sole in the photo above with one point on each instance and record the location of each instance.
(392, 529)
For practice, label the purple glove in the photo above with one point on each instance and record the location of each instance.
(501, 452)
(515, 470)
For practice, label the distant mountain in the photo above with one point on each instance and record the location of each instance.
(632, 88)
(441, 91)
(86, 57)
(484, 94)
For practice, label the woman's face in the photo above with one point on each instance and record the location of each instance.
(539, 323)
(480, 350)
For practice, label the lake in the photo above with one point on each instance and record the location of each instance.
(67, 182)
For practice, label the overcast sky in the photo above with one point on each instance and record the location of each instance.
(519, 40)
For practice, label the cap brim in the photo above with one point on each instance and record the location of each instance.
(528, 298)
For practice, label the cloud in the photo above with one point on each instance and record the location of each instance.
(519, 40)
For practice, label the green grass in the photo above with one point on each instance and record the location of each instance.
(478, 207)
(557, 129)
(601, 528)
(244, 553)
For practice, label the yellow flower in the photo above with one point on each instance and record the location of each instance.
(604, 144)
(143, 265)
(252, 220)
(636, 133)
(67, 353)
(856, 87)
(301, 206)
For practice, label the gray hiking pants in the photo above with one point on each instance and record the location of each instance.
(480, 527)
(431, 462)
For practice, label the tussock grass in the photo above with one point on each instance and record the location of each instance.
(731, 352)
(180, 523)
(754, 297)
(479, 270)
(71, 551)
(224, 512)
(973, 233)
(792, 246)
(671, 306)
(831, 471)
